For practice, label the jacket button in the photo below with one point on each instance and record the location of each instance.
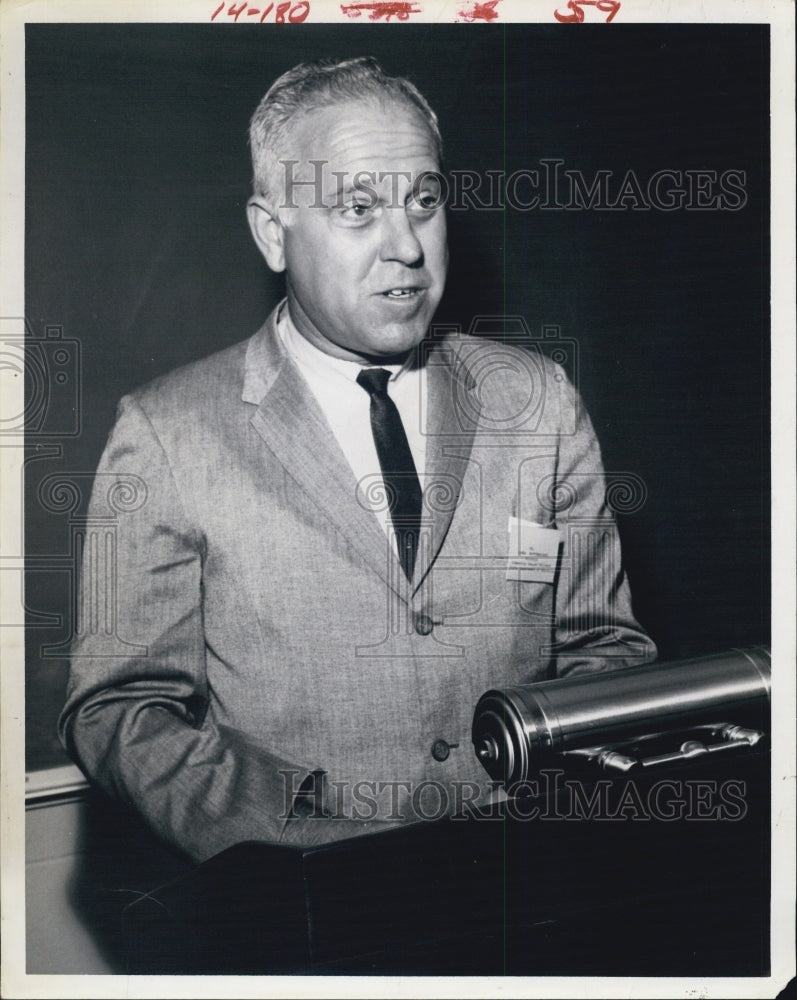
(440, 750)
(424, 625)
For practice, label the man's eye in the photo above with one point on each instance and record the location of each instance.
(356, 210)
(425, 202)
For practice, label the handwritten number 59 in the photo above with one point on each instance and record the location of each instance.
(576, 10)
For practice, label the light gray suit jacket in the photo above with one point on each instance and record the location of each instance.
(245, 620)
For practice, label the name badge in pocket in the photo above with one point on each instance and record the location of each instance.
(533, 551)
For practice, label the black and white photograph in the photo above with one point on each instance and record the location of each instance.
(398, 516)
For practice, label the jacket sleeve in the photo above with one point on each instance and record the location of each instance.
(595, 628)
(136, 718)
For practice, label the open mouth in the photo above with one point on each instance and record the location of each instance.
(402, 293)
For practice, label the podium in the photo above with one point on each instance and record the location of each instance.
(664, 874)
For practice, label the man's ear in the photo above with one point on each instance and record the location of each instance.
(268, 232)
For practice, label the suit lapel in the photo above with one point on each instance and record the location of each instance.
(291, 423)
(451, 420)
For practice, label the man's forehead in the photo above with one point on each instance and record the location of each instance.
(364, 135)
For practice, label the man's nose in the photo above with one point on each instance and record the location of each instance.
(399, 239)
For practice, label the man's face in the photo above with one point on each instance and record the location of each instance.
(364, 247)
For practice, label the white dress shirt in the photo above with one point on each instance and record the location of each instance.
(347, 408)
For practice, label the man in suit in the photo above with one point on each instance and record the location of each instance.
(335, 536)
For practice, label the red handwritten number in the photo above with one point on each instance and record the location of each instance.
(299, 12)
(609, 7)
(294, 12)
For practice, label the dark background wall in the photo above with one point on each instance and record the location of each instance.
(137, 251)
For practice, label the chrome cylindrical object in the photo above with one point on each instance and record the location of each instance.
(517, 730)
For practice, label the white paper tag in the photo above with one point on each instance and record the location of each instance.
(533, 551)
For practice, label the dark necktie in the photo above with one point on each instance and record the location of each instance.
(398, 469)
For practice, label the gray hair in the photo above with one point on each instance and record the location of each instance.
(313, 85)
